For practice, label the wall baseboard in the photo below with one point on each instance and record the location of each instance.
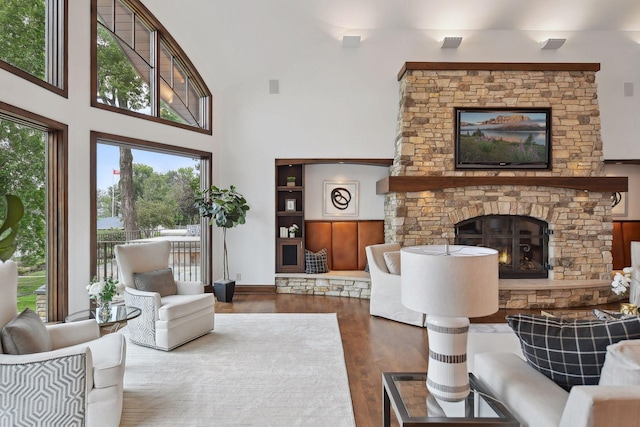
(255, 289)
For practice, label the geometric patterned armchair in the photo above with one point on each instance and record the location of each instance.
(79, 382)
(173, 312)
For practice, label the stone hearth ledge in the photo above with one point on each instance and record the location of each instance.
(514, 293)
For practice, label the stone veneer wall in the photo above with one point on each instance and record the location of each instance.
(351, 287)
(580, 247)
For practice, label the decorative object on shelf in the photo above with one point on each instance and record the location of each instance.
(291, 181)
(293, 229)
(341, 198)
(15, 211)
(226, 209)
(102, 293)
(449, 284)
(290, 205)
(627, 308)
(619, 204)
(284, 232)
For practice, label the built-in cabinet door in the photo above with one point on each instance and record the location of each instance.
(290, 255)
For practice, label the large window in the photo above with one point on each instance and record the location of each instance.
(33, 167)
(145, 191)
(33, 40)
(139, 69)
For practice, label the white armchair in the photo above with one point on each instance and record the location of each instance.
(166, 321)
(79, 382)
(385, 288)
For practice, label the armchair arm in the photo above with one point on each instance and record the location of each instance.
(58, 380)
(592, 406)
(68, 334)
(142, 329)
(190, 288)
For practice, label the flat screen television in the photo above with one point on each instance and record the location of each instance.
(491, 138)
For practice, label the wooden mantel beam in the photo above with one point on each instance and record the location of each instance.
(498, 66)
(606, 184)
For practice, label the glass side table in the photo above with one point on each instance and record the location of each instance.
(120, 315)
(414, 406)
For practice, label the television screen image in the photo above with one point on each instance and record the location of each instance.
(503, 138)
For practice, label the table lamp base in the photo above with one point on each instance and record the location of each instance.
(447, 376)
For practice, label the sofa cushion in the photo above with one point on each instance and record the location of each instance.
(532, 398)
(25, 334)
(570, 352)
(392, 261)
(622, 364)
(316, 262)
(160, 281)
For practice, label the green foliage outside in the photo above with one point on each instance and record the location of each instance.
(22, 35)
(119, 84)
(477, 148)
(161, 199)
(22, 172)
(27, 285)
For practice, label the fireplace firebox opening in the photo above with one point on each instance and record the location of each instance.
(522, 243)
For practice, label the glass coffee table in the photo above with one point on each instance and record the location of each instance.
(120, 314)
(414, 406)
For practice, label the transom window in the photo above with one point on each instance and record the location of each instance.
(140, 69)
(33, 41)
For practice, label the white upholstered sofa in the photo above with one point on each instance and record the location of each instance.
(168, 320)
(385, 288)
(79, 382)
(536, 401)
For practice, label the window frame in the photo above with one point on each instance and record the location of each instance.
(57, 206)
(206, 178)
(57, 58)
(159, 34)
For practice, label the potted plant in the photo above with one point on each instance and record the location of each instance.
(291, 181)
(15, 211)
(293, 229)
(225, 208)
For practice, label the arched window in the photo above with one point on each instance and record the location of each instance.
(139, 69)
(33, 41)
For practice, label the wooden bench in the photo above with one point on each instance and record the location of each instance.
(346, 258)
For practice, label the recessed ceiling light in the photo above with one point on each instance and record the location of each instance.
(552, 43)
(351, 41)
(451, 42)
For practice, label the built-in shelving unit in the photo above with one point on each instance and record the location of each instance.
(290, 208)
(289, 211)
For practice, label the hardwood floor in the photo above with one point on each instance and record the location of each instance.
(372, 345)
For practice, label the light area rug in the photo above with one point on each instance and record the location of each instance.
(486, 328)
(251, 370)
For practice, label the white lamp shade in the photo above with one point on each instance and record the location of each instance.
(463, 283)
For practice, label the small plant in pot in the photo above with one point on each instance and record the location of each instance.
(226, 208)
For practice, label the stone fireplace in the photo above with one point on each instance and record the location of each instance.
(521, 242)
(426, 197)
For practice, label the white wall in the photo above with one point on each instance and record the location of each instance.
(370, 204)
(633, 195)
(333, 103)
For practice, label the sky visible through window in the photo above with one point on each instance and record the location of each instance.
(108, 160)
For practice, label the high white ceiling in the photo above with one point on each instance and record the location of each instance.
(262, 33)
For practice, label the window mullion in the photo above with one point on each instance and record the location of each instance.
(154, 75)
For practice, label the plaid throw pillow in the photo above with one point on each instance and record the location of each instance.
(570, 352)
(316, 262)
